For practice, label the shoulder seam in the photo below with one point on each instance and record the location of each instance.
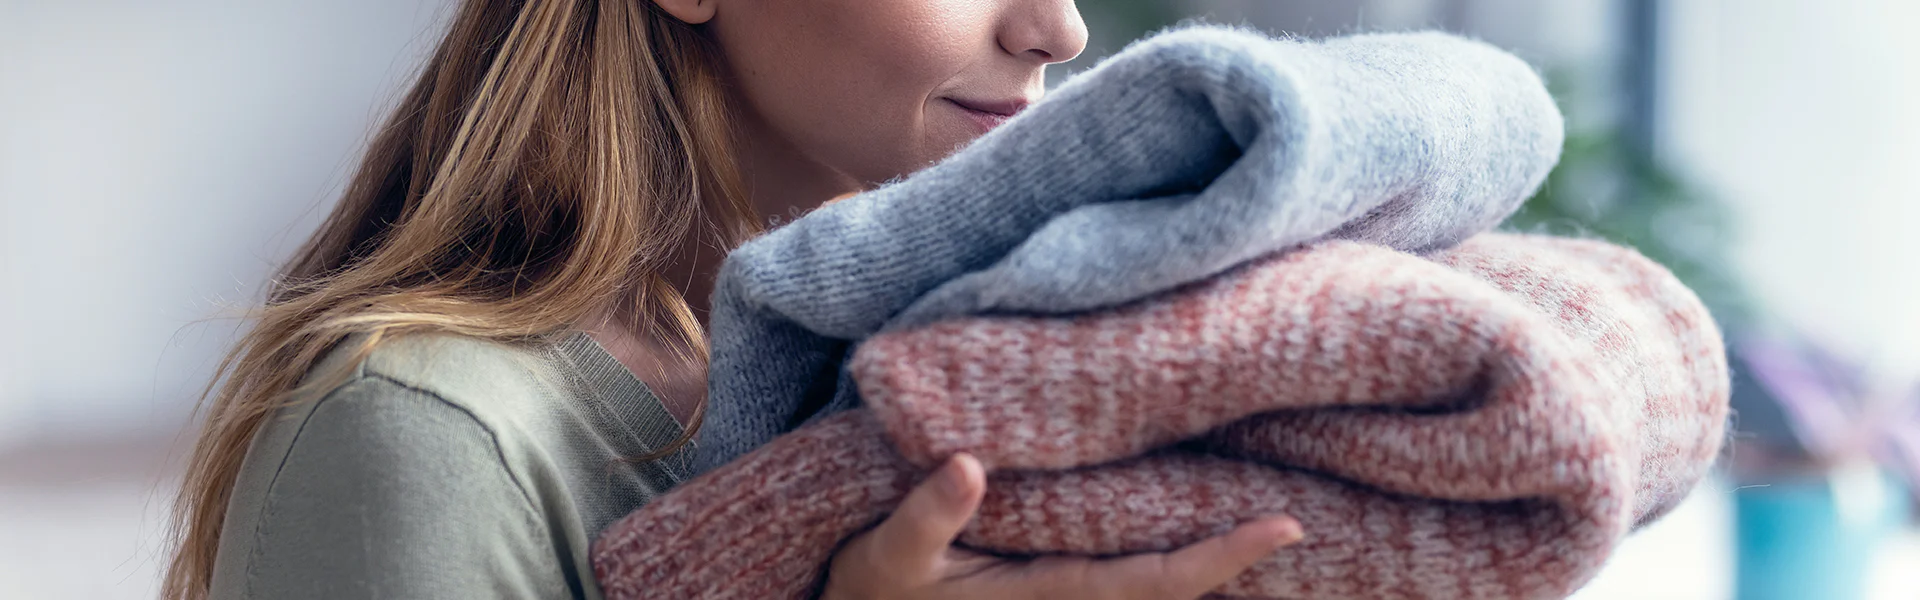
(362, 375)
(266, 502)
(492, 436)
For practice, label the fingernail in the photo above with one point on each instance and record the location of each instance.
(953, 480)
(1286, 532)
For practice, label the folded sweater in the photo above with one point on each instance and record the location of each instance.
(1180, 157)
(1486, 424)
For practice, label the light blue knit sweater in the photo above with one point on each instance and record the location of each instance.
(1185, 154)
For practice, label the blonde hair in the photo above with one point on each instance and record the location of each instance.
(551, 159)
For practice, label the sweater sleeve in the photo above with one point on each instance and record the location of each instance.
(392, 492)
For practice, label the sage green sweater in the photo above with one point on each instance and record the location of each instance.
(445, 467)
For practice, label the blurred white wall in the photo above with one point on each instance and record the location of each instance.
(1805, 118)
(157, 159)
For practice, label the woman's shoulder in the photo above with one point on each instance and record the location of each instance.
(473, 374)
(383, 468)
(482, 403)
(422, 411)
(513, 392)
(420, 405)
(558, 417)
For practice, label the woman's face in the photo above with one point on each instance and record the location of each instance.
(875, 89)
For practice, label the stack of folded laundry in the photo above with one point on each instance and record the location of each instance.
(1217, 277)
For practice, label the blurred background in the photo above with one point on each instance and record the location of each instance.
(159, 157)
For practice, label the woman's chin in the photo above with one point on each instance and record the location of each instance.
(956, 134)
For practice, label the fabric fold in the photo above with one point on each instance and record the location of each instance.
(1481, 422)
(1182, 156)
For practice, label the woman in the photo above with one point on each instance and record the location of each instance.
(488, 350)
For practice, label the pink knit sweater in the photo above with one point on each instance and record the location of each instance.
(1484, 423)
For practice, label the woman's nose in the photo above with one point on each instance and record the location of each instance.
(1049, 31)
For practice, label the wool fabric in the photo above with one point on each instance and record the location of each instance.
(1486, 422)
(1182, 156)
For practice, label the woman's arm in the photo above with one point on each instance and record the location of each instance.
(387, 492)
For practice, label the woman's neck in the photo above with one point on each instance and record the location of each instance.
(678, 384)
(781, 184)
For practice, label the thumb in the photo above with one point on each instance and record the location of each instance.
(915, 537)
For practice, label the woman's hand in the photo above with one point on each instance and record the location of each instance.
(911, 555)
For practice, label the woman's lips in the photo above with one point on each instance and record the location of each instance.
(989, 114)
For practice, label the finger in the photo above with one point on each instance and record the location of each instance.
(915, 537)
(1196, 569)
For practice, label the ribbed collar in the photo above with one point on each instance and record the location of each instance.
(620, 395)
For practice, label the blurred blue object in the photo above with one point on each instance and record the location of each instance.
(1810, 404)
(1815, 537)
(1823, 394)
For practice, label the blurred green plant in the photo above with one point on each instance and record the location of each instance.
(1130, 19)
(1608, 188)
(1112, 24)
(1604, 186)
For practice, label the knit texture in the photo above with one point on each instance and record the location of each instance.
(1484, 423)
(1180, 157)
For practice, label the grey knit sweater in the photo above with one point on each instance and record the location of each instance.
(1186, 154)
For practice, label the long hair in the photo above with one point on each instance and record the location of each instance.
(548, 163)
